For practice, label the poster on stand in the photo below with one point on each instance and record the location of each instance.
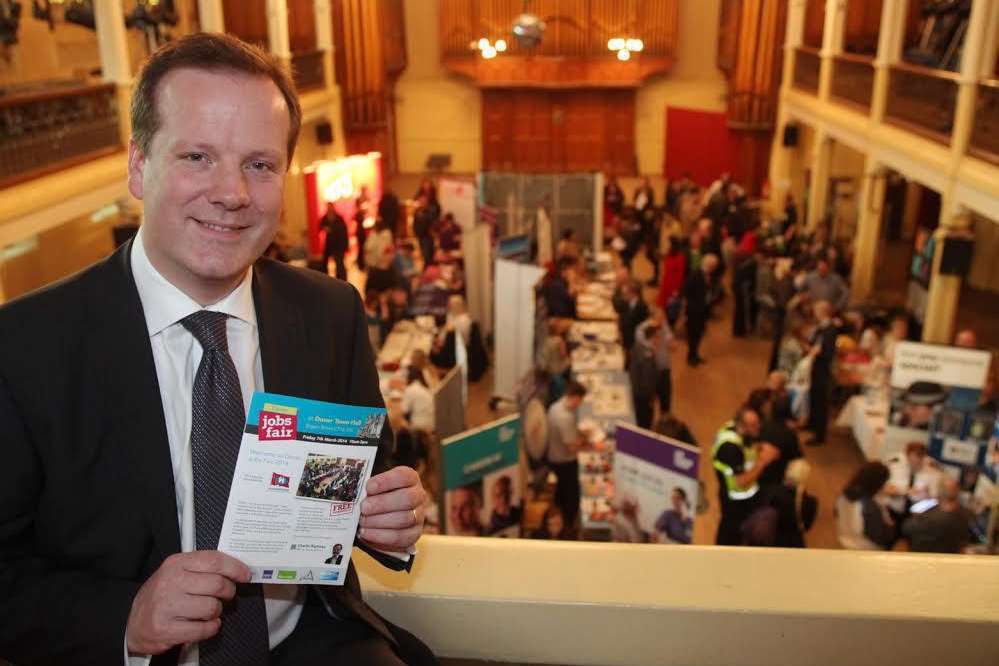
(449, 410)
(457, 196)
(482, 485)
(656, 487)
(935, 396)
(514, 300)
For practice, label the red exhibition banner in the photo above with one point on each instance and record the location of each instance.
(339, 182)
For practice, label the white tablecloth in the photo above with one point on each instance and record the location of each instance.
(866, 418)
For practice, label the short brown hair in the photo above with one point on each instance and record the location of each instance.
(211, 52)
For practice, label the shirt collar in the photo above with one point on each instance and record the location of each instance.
(164, 304)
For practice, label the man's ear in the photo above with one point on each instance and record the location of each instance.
(136, 167)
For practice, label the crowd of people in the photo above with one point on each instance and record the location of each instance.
(786, 283)
(329, 478)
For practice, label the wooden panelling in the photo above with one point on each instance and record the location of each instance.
(302, 26)
(863, 25)
(853, 79)
(923, 100)
(985, 132)
(756, 76)
(246, 19)
(367, 61)
(806, 69)
(815, 20)
(558, 131)
(576, 38)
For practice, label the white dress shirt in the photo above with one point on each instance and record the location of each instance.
(177, 355)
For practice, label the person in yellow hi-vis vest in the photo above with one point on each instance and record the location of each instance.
(739, 459)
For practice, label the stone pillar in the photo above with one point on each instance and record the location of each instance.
(116, 66)
(277, 29)
(324, 37)
(832, 43)
(889, 48)
(868, 242)
(945, 290)
(971, 65)
(792, 38)
(818, 191)
(211, 16)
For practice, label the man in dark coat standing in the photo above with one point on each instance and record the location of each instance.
(697, 294)
(823, 355)
(337, 240)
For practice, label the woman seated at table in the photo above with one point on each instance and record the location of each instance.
(862, 519)
(417, 402)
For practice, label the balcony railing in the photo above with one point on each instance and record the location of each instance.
(47, 130)
(807, 64)
(922, 100)
(853, 79)
(985, 133)
(308, 70)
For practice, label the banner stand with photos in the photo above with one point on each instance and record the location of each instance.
(483, 492)
(935, 400)
(656, 487)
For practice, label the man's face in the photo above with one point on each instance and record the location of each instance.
(501, 496)
(751, 424)
(677, 501)
(823, 268)
(212, 180)
(336, 549)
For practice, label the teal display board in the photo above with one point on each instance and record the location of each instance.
(482, 480)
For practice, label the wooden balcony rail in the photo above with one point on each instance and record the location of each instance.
(985, 132)
(853, 79)
(48, 130)
(806, 69)
(922, 100)
(308, 71)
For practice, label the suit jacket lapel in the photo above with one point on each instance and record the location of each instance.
(283, 339)
(135, 407)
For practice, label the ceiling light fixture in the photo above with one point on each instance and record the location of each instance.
(625, 47)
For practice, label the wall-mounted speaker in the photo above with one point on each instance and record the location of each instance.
(791, 135)
(956, 258)
(324, 133)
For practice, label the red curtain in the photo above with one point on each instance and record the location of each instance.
(699, 143)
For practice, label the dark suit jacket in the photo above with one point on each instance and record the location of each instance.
(695, 293)
(87, 507)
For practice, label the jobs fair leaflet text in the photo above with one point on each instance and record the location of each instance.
(300, 477)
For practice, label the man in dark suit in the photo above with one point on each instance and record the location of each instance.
(697, 295)
(337, 240)
(336, 556)
(114, 438)
(823, 355)
(634, 311)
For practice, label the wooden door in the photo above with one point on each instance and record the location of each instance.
(543, 131)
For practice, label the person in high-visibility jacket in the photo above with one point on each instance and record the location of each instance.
(739, 459)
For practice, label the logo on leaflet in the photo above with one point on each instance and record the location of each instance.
(307, 576)
(277, 426)
(280, 480)
(267, 574)
(337, 508)
(330, 575)
(287, 574)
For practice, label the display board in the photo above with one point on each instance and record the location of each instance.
(458, 196)
(339, 182)
(482, 484)
(515, 310)
(477, 246)
(655, 485)
(449, 408)
(935, 393)
(570, 201)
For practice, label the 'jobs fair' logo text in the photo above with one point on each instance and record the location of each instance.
(277, 426)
